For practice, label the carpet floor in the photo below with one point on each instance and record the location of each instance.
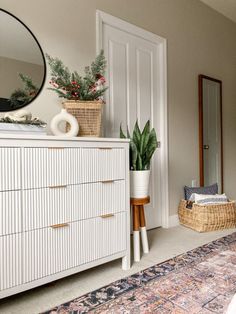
(200, 281)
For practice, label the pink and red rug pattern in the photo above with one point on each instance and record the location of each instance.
(202, 281)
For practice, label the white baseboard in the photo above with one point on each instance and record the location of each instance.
(173, 221)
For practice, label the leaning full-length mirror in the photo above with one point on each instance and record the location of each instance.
(22, 64)
(210, 131)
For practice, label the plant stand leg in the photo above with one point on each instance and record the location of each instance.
(143, 230)
(126, 262)
(136, 240)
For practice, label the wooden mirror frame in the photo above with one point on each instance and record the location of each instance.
(201, 144)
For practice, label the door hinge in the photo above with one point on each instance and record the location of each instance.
(158, 144)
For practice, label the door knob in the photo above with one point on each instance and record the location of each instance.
(206, 146)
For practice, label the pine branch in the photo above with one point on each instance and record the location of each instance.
(58, 70)
(28, 83)
(99, 65)
(60, 93)
(71, 85)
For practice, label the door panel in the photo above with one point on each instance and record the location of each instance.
(134, 84)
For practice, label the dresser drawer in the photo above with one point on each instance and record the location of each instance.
(99, 164)
(10, 163)
(48, 206)
(10, 212)
(44, 167)
(50, 250)
(10, 261)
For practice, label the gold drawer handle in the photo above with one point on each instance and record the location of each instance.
(60, 226)
(105, 148)
(107, 216)
(108, 181)
(57, 186)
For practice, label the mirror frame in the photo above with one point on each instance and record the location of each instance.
(201, 149)
(43, 57)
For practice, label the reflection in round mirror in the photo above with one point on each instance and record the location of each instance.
(22, 64)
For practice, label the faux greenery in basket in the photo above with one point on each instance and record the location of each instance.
(142, 146)
(72, 86)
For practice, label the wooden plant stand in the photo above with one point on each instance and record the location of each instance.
(139, 223)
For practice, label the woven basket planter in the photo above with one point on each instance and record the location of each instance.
(209, 217)
(88, 115)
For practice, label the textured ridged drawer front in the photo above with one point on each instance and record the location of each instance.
(43, 167)
(94, 164)
(51, 250)
(10, 212)
(10, 162)
(10, 261)
(113, 234)
(45, 252)
(48, 206)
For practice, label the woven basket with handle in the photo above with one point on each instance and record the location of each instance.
(209, 217)
(88, 115)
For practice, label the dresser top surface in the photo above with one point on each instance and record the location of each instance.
(60, 138)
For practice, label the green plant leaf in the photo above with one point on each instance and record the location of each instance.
(153, 137)
(137, 135)
(122, 135)
(144, 138)
(128, 134)
(150, 149)
(152, 142)
(134, 155)
(146, 162)
(152, 145)
(139, 162)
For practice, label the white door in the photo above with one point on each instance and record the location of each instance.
(134, 75)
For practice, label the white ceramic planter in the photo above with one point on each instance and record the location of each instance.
(139, 183)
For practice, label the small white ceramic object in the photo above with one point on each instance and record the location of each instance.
(139, 183)
(21, 115)
(64, 116)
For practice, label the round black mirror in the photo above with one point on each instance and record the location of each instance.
(22, 64)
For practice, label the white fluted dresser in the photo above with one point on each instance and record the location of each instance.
(64, 207)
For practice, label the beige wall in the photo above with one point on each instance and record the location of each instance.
(200, 40)
(9, 75)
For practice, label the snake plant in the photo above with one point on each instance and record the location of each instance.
(142, 146)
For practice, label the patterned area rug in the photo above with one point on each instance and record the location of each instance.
(201, 281)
